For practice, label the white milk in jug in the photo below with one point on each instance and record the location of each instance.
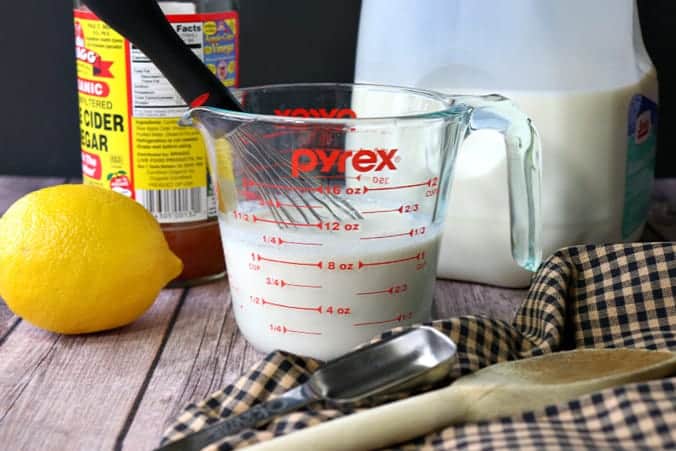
(598, 163)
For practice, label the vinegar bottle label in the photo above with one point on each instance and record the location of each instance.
(130, 138)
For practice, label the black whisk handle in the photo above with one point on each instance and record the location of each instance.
(143, 23)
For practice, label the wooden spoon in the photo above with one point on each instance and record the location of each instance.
(503, 389)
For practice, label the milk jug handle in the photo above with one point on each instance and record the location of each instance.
(524, 170)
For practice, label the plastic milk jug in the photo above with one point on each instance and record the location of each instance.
(579, 68)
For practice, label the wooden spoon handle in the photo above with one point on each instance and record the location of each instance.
(378, 427)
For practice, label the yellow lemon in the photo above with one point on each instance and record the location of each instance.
(78, 259)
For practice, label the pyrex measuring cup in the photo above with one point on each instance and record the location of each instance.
(331, 199)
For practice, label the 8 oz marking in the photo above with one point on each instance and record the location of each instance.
(331, 265)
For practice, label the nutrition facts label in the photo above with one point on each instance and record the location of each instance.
(153, 95)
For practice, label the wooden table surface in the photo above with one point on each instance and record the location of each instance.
(121, 389)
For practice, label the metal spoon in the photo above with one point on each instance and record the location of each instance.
(418, 357)
(500, 390)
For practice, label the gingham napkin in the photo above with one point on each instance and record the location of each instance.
(582, 297)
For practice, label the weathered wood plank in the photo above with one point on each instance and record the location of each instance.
(453, 298)
(7, 321)
(204, 353)
(662, 218)
(76, 392)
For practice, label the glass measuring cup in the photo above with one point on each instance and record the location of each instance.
(331, 199)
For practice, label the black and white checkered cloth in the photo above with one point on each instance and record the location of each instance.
(582, 297)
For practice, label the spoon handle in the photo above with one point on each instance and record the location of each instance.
(143, 23)
(256, 416)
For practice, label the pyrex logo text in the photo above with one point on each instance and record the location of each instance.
(362, 160)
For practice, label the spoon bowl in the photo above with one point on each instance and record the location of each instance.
(418, 357)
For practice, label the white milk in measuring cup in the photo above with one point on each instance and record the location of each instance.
(322, 287)
(305, 285)
(331, 227)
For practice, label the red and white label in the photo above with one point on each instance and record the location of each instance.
(91, 165)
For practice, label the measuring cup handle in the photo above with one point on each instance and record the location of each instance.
(524, 167)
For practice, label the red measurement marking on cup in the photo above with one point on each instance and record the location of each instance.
(395, 289)
(239, 216)
(340, 177)
(418, 231)
(419, 256)
(278, 240)
(300, 189)
(409, 208)
(300, 243)
(429, 183)
(399, 318)
(334, 310)
(373, 212)
(282, 329)
(278, 204)
(282, 204)
(259, 258)
(336, 226)
(298, 285)
(291, 307)
(380, 237)
(338, 266)
(380, 180)
(283, 283)
(292, 224)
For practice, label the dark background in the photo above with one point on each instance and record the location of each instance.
(281, 41)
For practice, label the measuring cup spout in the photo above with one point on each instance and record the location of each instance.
(212, 122)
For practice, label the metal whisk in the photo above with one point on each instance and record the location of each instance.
(268, 170)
